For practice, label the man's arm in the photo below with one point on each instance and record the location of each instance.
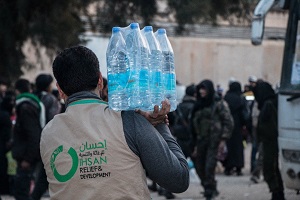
(160, 154)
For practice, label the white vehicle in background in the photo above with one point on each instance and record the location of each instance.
(289, 90)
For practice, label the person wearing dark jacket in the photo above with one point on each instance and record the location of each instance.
(212, 125)
(6, 107)
(44, 93)
(182, 116)
(26, 137)
(52, 107)
(238, 108)
(267, 133)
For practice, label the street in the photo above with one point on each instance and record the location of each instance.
(230, 187)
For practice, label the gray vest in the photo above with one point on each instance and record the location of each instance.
(86, 155)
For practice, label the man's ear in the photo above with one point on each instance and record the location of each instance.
(61, 93)
(100, 82)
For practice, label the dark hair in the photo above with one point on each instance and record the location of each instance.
(22, 85)
(209, 86)
(190, 90)
(263, 92)
(235, 87)
(76, 69)
(43, 81)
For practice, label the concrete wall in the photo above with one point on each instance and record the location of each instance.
(219, 60)
(197, 59)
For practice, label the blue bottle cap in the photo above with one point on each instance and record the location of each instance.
(148, 28)
(134, 25)
(116, 29)
(161, 31)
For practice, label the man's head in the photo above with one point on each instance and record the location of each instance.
(43, 82)
(190, 90)
(205, 89)
(252, 81)
(22, 86)
(76, 69)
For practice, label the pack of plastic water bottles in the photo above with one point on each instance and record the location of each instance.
(140, 68)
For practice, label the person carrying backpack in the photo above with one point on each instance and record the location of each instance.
(181, 117)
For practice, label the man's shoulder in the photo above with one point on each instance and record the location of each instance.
(133, 120)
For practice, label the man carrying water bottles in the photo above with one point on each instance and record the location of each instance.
(93, 152)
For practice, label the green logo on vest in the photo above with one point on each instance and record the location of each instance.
(70, 174)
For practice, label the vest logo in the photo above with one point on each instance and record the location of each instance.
(90, 160)
(72, 171)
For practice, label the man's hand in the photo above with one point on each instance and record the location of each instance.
(157, 116)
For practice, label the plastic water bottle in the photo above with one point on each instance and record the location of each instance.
(117, 71)
(168, 67)
(138, 84)
(190, 163)
(155, 69)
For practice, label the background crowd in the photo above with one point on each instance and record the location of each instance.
(210, 126)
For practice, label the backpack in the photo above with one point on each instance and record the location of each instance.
(182, 116)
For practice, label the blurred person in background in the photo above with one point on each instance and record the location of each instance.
(43, 84)
(219, 90)
(61, 101)
(3, 88)
(26, 137)
(180, 127)
(180, 91)
(267, 133)
(212, 125)
(6, 109)
(9, 104)
(256, 149)
(238, 108)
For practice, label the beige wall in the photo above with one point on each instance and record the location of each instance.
(198, 58)
(219, 60)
